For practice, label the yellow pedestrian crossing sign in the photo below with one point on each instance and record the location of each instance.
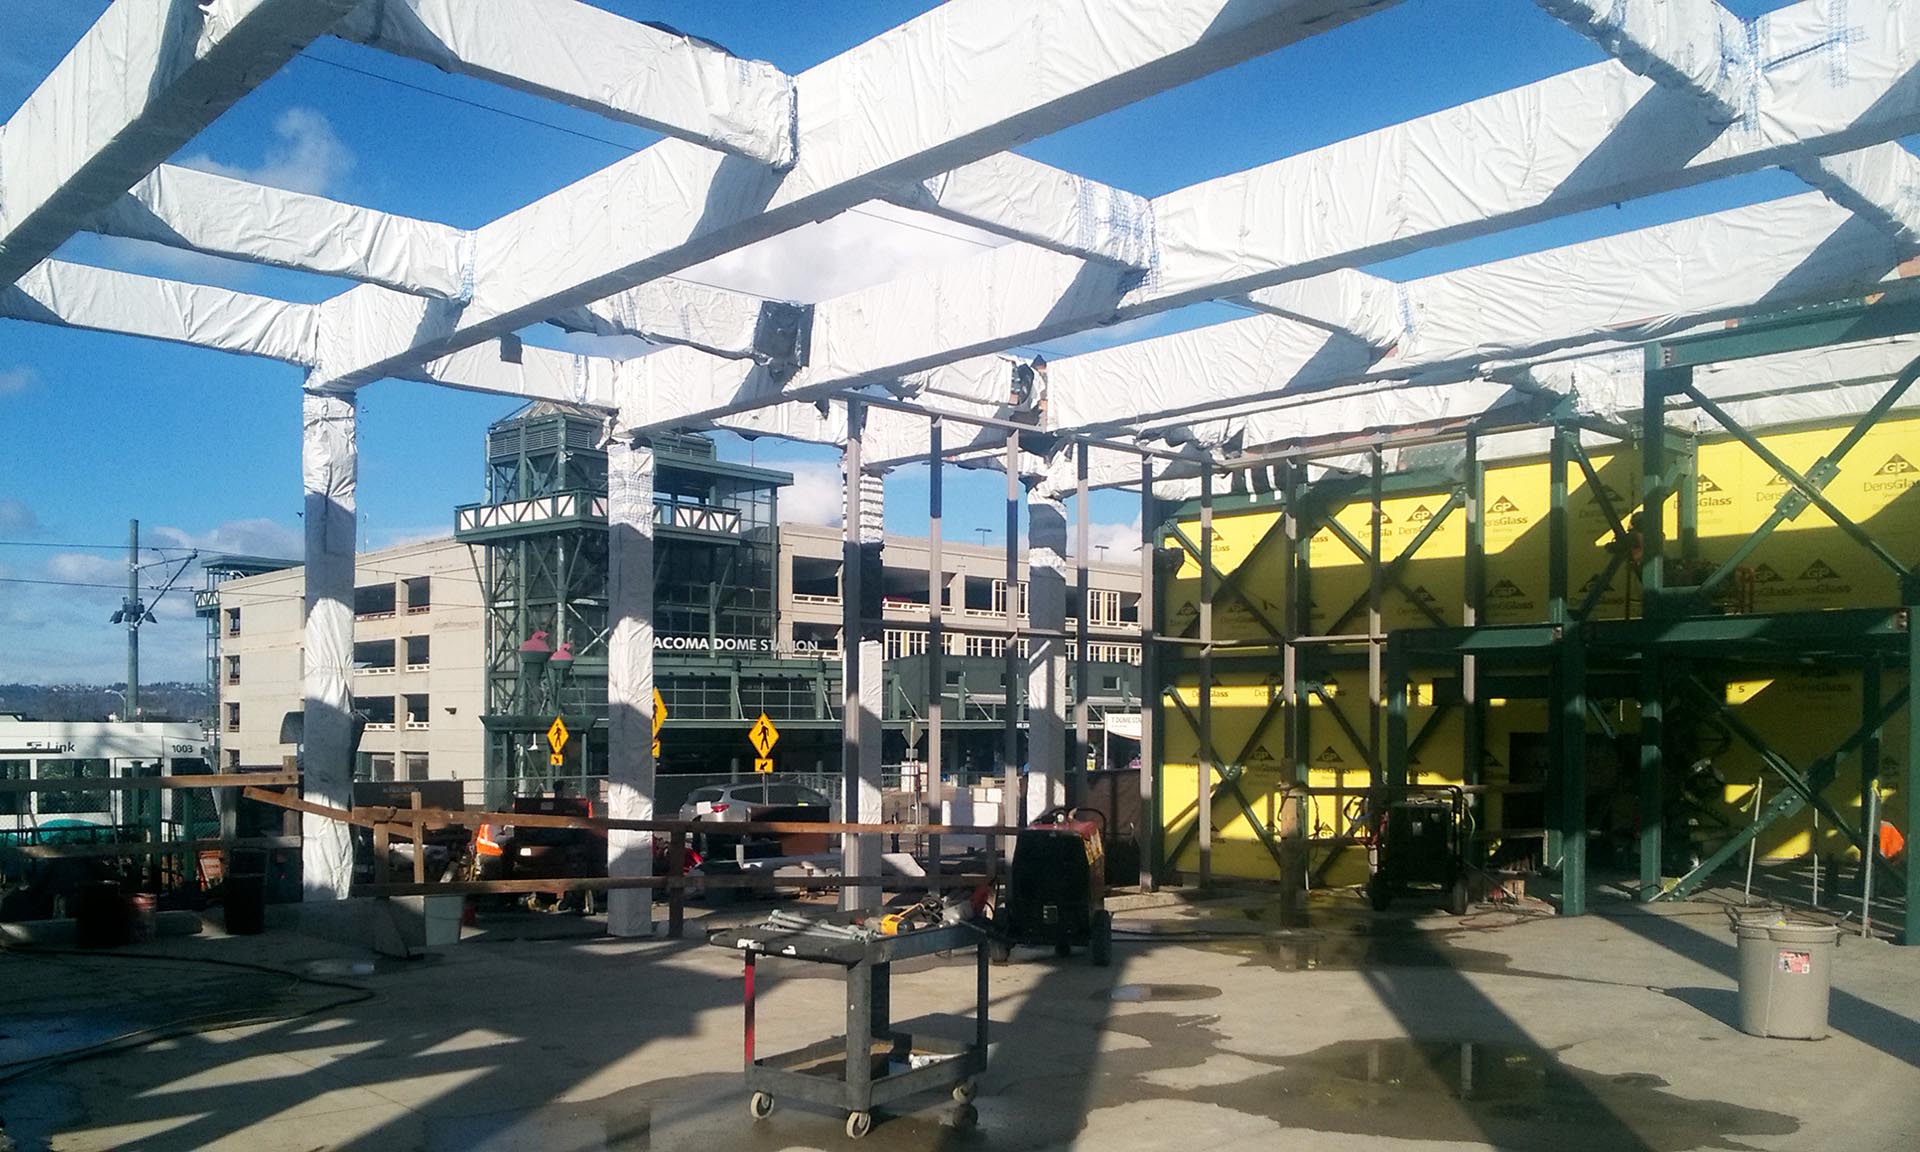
(557, 735)
(763, 736)
(659, 715)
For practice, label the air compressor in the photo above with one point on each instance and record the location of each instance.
(1056, 888)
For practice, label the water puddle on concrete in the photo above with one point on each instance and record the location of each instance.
(1504, 1095)
(1144, 993)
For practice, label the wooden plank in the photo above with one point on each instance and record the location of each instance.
(152, 783)
(162, 848)
(607, 883)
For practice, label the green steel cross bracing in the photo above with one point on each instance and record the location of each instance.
(1229, 779)
(1804, 789)
(1360, 550)
(1398, 564)
(1229, 582)
(1808, 489)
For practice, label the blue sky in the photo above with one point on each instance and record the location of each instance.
(204, 448)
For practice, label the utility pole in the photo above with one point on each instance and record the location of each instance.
(133, 613)
(133, 610)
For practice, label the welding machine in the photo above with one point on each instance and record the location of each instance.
(1056, 889)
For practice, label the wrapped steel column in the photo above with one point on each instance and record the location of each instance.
(1046, 652)
(862, 533)
(630, 679)
(329, 462)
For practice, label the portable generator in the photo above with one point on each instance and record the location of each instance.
(1056, 889)
(1417, 840)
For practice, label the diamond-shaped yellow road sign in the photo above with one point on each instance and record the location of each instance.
(659, 713)
(557, 734)
(763, 735)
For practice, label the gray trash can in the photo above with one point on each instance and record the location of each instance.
(1786, 970)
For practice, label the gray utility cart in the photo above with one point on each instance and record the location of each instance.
(871, 1065)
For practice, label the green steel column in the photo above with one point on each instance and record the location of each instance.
(1292, 626)
(1376, 589)
(1152, 621)
(1653, 488)
(1397, 688)
(1474, 747)
(1688, 507)
(1652, 778)
(1203, 762)
(1910, 778)
(1557, 532)
(1869, 771)
(1304, 519)
(1570, 697)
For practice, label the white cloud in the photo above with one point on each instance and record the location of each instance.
(253, 537)
(872, 244)
(306, 156)
(86, 567)
(16, 519)
(14, 380)
(816, 496)
(1122, 541)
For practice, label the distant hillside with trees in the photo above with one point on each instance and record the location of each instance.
(178, 700)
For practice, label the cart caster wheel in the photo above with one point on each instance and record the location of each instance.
(760, 1106)
(1000, 952)
(964, 1093)
(1100, 948)
(859, 1124)
(1457, 897)
(965, 1118)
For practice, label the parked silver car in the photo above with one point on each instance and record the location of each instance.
(736, 803)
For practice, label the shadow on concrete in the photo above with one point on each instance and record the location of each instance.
(1892, 1033)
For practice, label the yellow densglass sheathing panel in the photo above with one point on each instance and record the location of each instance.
(1807, 563)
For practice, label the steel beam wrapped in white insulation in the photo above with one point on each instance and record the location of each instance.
(1575, 141)
(1046, 654)
(670, 311)
(1637, 284)
(510, 368)
(1512, 158)
(1366, 307)
(1026, 200)
(81, 296)
(1693, 44)
(141, 83)
(329, 469)
(220, 216)
(863, 696)
(577, 54)
(630, 765)
(1880, 184)
(962, 82)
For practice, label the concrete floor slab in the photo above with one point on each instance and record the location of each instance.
(1218, 1026)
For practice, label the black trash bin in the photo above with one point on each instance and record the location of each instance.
(244, 893)
(99, 915)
